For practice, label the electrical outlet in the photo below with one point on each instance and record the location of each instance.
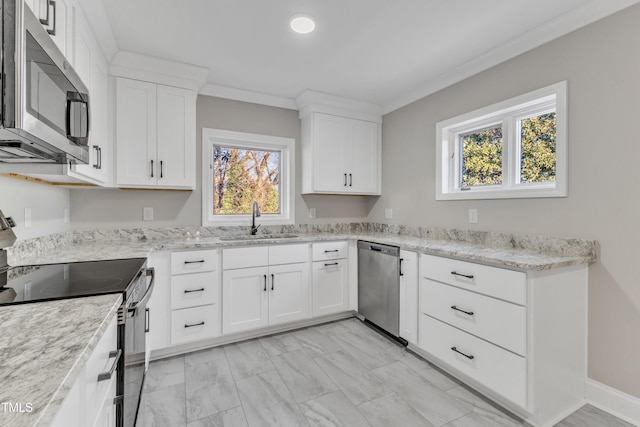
(388, 213)
(312, 212)
(66, 215)
(27, 217)
(473, 216)
(147, 214)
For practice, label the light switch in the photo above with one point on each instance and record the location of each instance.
(147, 214)
(473, 216)
(388, 213)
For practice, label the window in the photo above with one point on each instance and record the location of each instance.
(514, 149)
(240, 168)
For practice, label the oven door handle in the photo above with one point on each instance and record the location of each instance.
(149, 272)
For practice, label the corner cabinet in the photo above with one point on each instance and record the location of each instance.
(340, 155)
(155, 135)
(519, 337)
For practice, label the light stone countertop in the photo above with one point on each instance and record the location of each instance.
(43, 349)
(44, 346)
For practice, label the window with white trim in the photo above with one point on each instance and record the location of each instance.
(240, 168)
(513, 149)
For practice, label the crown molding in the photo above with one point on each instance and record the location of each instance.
(313, 101)
(227, 92)
(157, 70)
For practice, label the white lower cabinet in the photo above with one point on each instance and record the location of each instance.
(259, 296)
(519, 337)
(330, 278)
(409, 296)
(90, 402)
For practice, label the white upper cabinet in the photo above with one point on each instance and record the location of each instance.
(341, 145)
(155, 135)
(55, 16)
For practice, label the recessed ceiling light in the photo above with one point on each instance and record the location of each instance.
(302, 24)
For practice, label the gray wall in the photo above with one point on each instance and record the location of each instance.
(602, 66)
(112, 208)
(47, 205)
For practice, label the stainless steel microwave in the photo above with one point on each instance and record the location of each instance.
(45, 106)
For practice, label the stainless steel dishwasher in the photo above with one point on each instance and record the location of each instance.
(379, 285)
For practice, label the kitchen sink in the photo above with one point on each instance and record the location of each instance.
(258, 237)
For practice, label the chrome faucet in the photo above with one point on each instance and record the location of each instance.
(255, 211)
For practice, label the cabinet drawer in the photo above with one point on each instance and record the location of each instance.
(194, 324)
(100, 362)
(496, 282)
(288, 254)
(245, 257)
(193, 261)
(329, 250)
(497, 369)
(500, 322)
(192, 290)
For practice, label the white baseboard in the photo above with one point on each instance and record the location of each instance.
(613, 401)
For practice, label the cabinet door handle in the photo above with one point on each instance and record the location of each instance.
(147, 318)
(188, 291)
(272, 281)
(194, 262)
(52, 31)
(330, 264)
(151, 168)
(45, 21)
(462, 275)
(265, 283)
(161, 173)
(468, 356)
(345, 179)
(96, 164)
(400, 267)
(350, 180)
(194, 324)
(469, 313)
(99, 157)
(107, 375)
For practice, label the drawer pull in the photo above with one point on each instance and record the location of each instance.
(188, 291)
(194, 324)
(332, 250)
(265, 283)
(330, 264)
(194, 262)
(462, 275)
(470, 313)
(468, 356)
(107, 375)
(272, 281)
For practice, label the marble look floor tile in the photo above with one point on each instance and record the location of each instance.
(432, 403)
(231, 418)
(464, 394)
(164, 373)
(278, 344)
(202, 356)
(364, 349)
(316, 343)
(481, 418)
(210, 389)
(247, 358)
(356, 381)
(164, 407)
(333, 410)
(391, 411)
(356, 325)
(332, 328)
(267, 402)
(409, 358)
(441, 380)
(302, 375)
(589, 416)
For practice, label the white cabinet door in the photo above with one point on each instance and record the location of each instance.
(288, 293)
(82, 46)
(409, 296)
(136, 133)
(106, 417)
(330, 287)
(330, 134)
(160, 302)
(364, 176)
(245, 302)
(176, 137)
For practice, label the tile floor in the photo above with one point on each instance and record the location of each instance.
(337, 374)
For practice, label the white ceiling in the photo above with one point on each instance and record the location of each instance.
(385, 52)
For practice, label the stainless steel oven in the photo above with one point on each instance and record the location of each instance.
(133, 327)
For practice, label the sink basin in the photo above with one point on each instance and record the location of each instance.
(258, 237)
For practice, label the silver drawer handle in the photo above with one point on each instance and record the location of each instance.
(462, 275)
(468, 356)
(470, 313)
(188, 291)
(194, 324)
(107, 375)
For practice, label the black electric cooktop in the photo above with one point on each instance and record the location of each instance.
(69, 280)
